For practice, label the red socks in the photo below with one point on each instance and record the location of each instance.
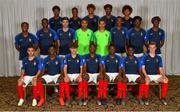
(20, 91)
(102, 89)
(164, 90)
(141, 90)
(83, 89)
(41, 89)
(146, 90)
(121, 90)
(35, 90)
(64, 88)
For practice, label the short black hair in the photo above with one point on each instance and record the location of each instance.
(52, 46)
(30, 46)
(137, 18)
(125, 7)
(101, 20)
(75, 8)
(108, 6)
(84, 19)
(24, 23)
(56, 7)
(65, 18)
(111, 45)
(155, 18)
(92, 44)
(91, 6)
(152, 43)
(44, 19)
(130, 46)
(73, 45)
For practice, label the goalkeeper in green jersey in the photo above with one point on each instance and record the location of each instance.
(102, 38)
(83, 38)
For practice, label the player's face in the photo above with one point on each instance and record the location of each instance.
(119, 22)
(45, 24)
(102, 24)
(74, 13)
(137, 23)
(156, 23)
(65, 23)
(31, 52)
(90, 10)
(112, 50)
(152, 48)
(92, 49)
(73, 51)
(127, 12)
(84, 24)
(108, 10)
(52, 51)
(56, 12)
(130, 51)
(25, 28)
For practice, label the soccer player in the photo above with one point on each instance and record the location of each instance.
(132, 70)
(23, 40)
(55, 21)
(127, 20)
(136, 37)
(66, 36)
(46, 37)
(53, 68)
(152, 68)
(92, 18)
(73, 71)
(75, 20)
(119, 37)
(112, 64)
(31, 69)
(156, 34)
(102, 38)
(83, 37)
(109, 19)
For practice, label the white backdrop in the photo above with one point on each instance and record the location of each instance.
(13, 12)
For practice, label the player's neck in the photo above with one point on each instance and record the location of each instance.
(25, 34)
(46, 29)
(73, 55)
(127, 17)
(112, 55)
(152, 54)
(84, 29)
(101, 29)
(31, 58)
(52, 57)
(56, 17)
(65, 29)
(119, 27)
(137, 28)
(92, 54)
(75, 17)
(131, 57)
(108, 15)
(91, 15)
(155, 28)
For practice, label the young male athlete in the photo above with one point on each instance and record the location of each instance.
(75, 20)
(127, 20)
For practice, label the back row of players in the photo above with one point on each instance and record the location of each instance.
(60, 35)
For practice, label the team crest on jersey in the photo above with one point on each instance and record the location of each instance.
(21, 40)
(106, 35)
(135, 62)
(132, 34)
(141, 34)
(56, 62)
(41, 34)
(30, 40)
(123, 32)
(69, 60)
(77, 61)
(50, 35)
(147, 60)
(112, 20)
(157, 60)
(95, 20)
(88, 35)
(114, 32)
(151, 33)
(116, 61)
(160, 33)
(79, 22)
(69, 34)
(127, 62)
(96, 60)
(47, 62)
(34, 63)
(107, 61)
(60, 34)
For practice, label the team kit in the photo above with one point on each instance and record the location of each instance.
(93, 49)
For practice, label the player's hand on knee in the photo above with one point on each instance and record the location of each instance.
(79, 78)
(66, 79)
(147, 79)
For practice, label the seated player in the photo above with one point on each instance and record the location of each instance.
(83, 37)
(119, 36)
(23, 40)
(111, 65)
(66, 36)
(92, 18)
(53, 68)
(130, 69)
(46, 37)
(152, 68)
(73, 72)
(127, 20)
(109, 19)
(136, 37)
(75, 20)
(31, 69)
(156, 34)
(55, 22)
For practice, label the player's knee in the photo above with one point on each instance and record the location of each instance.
(166, 80)
(20, 83)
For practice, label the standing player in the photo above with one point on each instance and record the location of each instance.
(83, 37)
(127, 20)
(31, 69)
(66, 36)
(55, 22)
(156, 34)
(23, 40)
(119, 36)
(53, 68)
(75, 21)
(102, 38)
(92, 19)
(152, 68)
(46, 38)
(73, 71)
(111, 65)
(109, 19)
(136, 37)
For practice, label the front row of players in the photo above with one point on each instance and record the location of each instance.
(91, 68)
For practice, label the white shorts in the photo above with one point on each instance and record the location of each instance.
(27, 80)
(51, 78)
(154, 78)
(93, 77)
(132, 77)
(20, 64)
(121, 54)
(112, 76)
(139, 55)
(73, 77)
(43, 56)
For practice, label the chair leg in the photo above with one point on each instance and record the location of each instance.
(160, 89)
